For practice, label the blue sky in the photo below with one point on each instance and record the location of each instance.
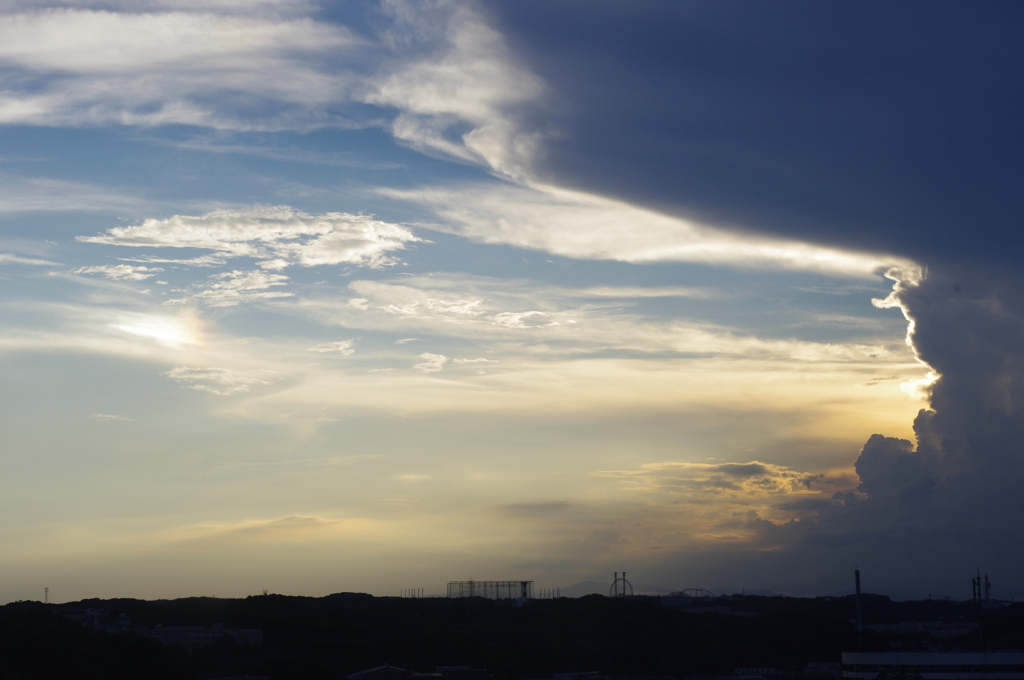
(358, 296)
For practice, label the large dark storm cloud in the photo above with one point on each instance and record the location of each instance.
(893, 127)
(927, 513)
(879, 125)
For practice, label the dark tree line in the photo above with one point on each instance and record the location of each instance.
(327, 638)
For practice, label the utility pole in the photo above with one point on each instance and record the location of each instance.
(979, 600)
(860, 618)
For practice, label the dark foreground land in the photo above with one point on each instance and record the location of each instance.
(330, 637)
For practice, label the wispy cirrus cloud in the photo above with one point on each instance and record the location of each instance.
(219, 381)
(413, 302)
(10, 258)
(456, 73)
(228, 289)
(564, 321)
(585, 226)
(84, 66)
(278, 236)
(274, 7)
(292, 155)
(43, 194)
(432, 306)
(121, 272)
(342, 347)
(740, 481)
(201, 261)
(108, 417)
(458, 90)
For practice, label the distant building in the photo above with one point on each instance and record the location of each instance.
(596, 675)
(189, 637)
(86, 617)
(387, 672)
(936, 665)
(826, 669)
(461, 673)
(198, 637)
(384, 672)
(122, 624)
(933, 629)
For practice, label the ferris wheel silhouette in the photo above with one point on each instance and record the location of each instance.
(619, 586)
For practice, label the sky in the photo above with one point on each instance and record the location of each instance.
(314, 297)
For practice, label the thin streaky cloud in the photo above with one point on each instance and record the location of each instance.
(40, 194)
(120, 272)
(107, 417)
(220, 381)
(342, 347)
(292, 155)
(10, 258)
(229, 289)
(86, 67)
(585, 226)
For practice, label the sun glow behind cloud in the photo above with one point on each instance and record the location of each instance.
(175, 332)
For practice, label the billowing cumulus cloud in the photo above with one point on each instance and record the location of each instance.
(279, 236)
(921, 512)
(969, 440)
